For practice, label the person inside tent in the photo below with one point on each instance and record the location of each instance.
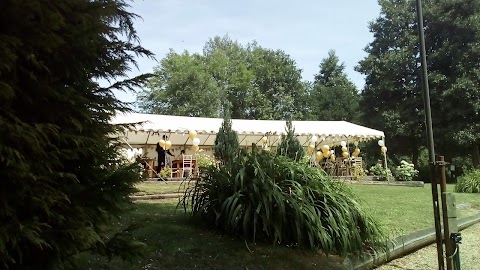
(181, 154)
(162, 154)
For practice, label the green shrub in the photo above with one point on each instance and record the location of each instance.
(405, 171)
(203, 161)
(165, 173)
(378, 170)
(358, 173)
(62, 181)
(266, 197)
(469, 183)
(226, 146)
(290, 145)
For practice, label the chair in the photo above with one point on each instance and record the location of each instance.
(341, 166)
(187, 165)
(358, 162)
(330, 167)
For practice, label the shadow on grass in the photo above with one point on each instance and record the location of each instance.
(176, 243)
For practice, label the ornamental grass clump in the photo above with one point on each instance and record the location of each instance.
(272, 198)
(469, 183)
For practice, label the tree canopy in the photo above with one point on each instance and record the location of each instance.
(260, 83)
(62, 179)
(333, 97)
(392, 99)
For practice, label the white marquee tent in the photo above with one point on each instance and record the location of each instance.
(150, 128)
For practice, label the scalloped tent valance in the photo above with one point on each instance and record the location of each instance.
(153, 127)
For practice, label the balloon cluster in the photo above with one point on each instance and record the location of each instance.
(311, 147)
(165, 144)
(383, 148)
(345, 152)
(325, 153)
(192, 134)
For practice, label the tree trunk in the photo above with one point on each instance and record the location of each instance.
(476, 156)
(415, 156)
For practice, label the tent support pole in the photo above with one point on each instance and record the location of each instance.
(206, 139)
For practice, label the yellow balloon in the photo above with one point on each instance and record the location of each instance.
(344, 149)
(195, 148)
(168, 145)
(384, 149)
(332, 157)
(311, 148)
(357, 150)
(355, 154)
(162, 143)
(319, 155)
(326, 155)
(345, 154)
(325, 148)
(192, 134)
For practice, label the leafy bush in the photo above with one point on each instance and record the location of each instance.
(406, 171)
(203, 161)
(290, 145)
(384, 173)
(358, 173)
(266, 197)
(469, 183)
(165, 173)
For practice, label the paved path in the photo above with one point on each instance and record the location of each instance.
(426, 258)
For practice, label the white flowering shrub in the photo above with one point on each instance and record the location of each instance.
(205, 160)
(405, 171)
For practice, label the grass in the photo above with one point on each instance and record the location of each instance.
(175, 243)
(399, 209)
(408, 209)
(158, 187)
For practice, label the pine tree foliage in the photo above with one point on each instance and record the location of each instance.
(290, 145)
(61, 176)
(333, 97)
(226, 146)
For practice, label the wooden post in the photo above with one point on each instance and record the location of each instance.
(446, 212)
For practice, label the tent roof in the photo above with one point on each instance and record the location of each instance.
(249, 131)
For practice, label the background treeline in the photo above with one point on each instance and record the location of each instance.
(262, 83)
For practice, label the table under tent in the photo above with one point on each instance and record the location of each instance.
(196, 136)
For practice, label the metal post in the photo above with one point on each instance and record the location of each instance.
(449, 248)
(430, 143)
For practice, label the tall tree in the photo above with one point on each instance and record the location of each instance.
(182, 85)
(392, 97)
(260, 83)
(392, 100)
(453, 53)
(334, 96)
(61, 177)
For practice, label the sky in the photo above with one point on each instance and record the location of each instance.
(306, 30)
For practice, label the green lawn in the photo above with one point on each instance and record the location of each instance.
(408, 209)
(156, 187)
(399, 209)
(175, 243)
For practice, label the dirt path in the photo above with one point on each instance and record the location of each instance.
(426, 258)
